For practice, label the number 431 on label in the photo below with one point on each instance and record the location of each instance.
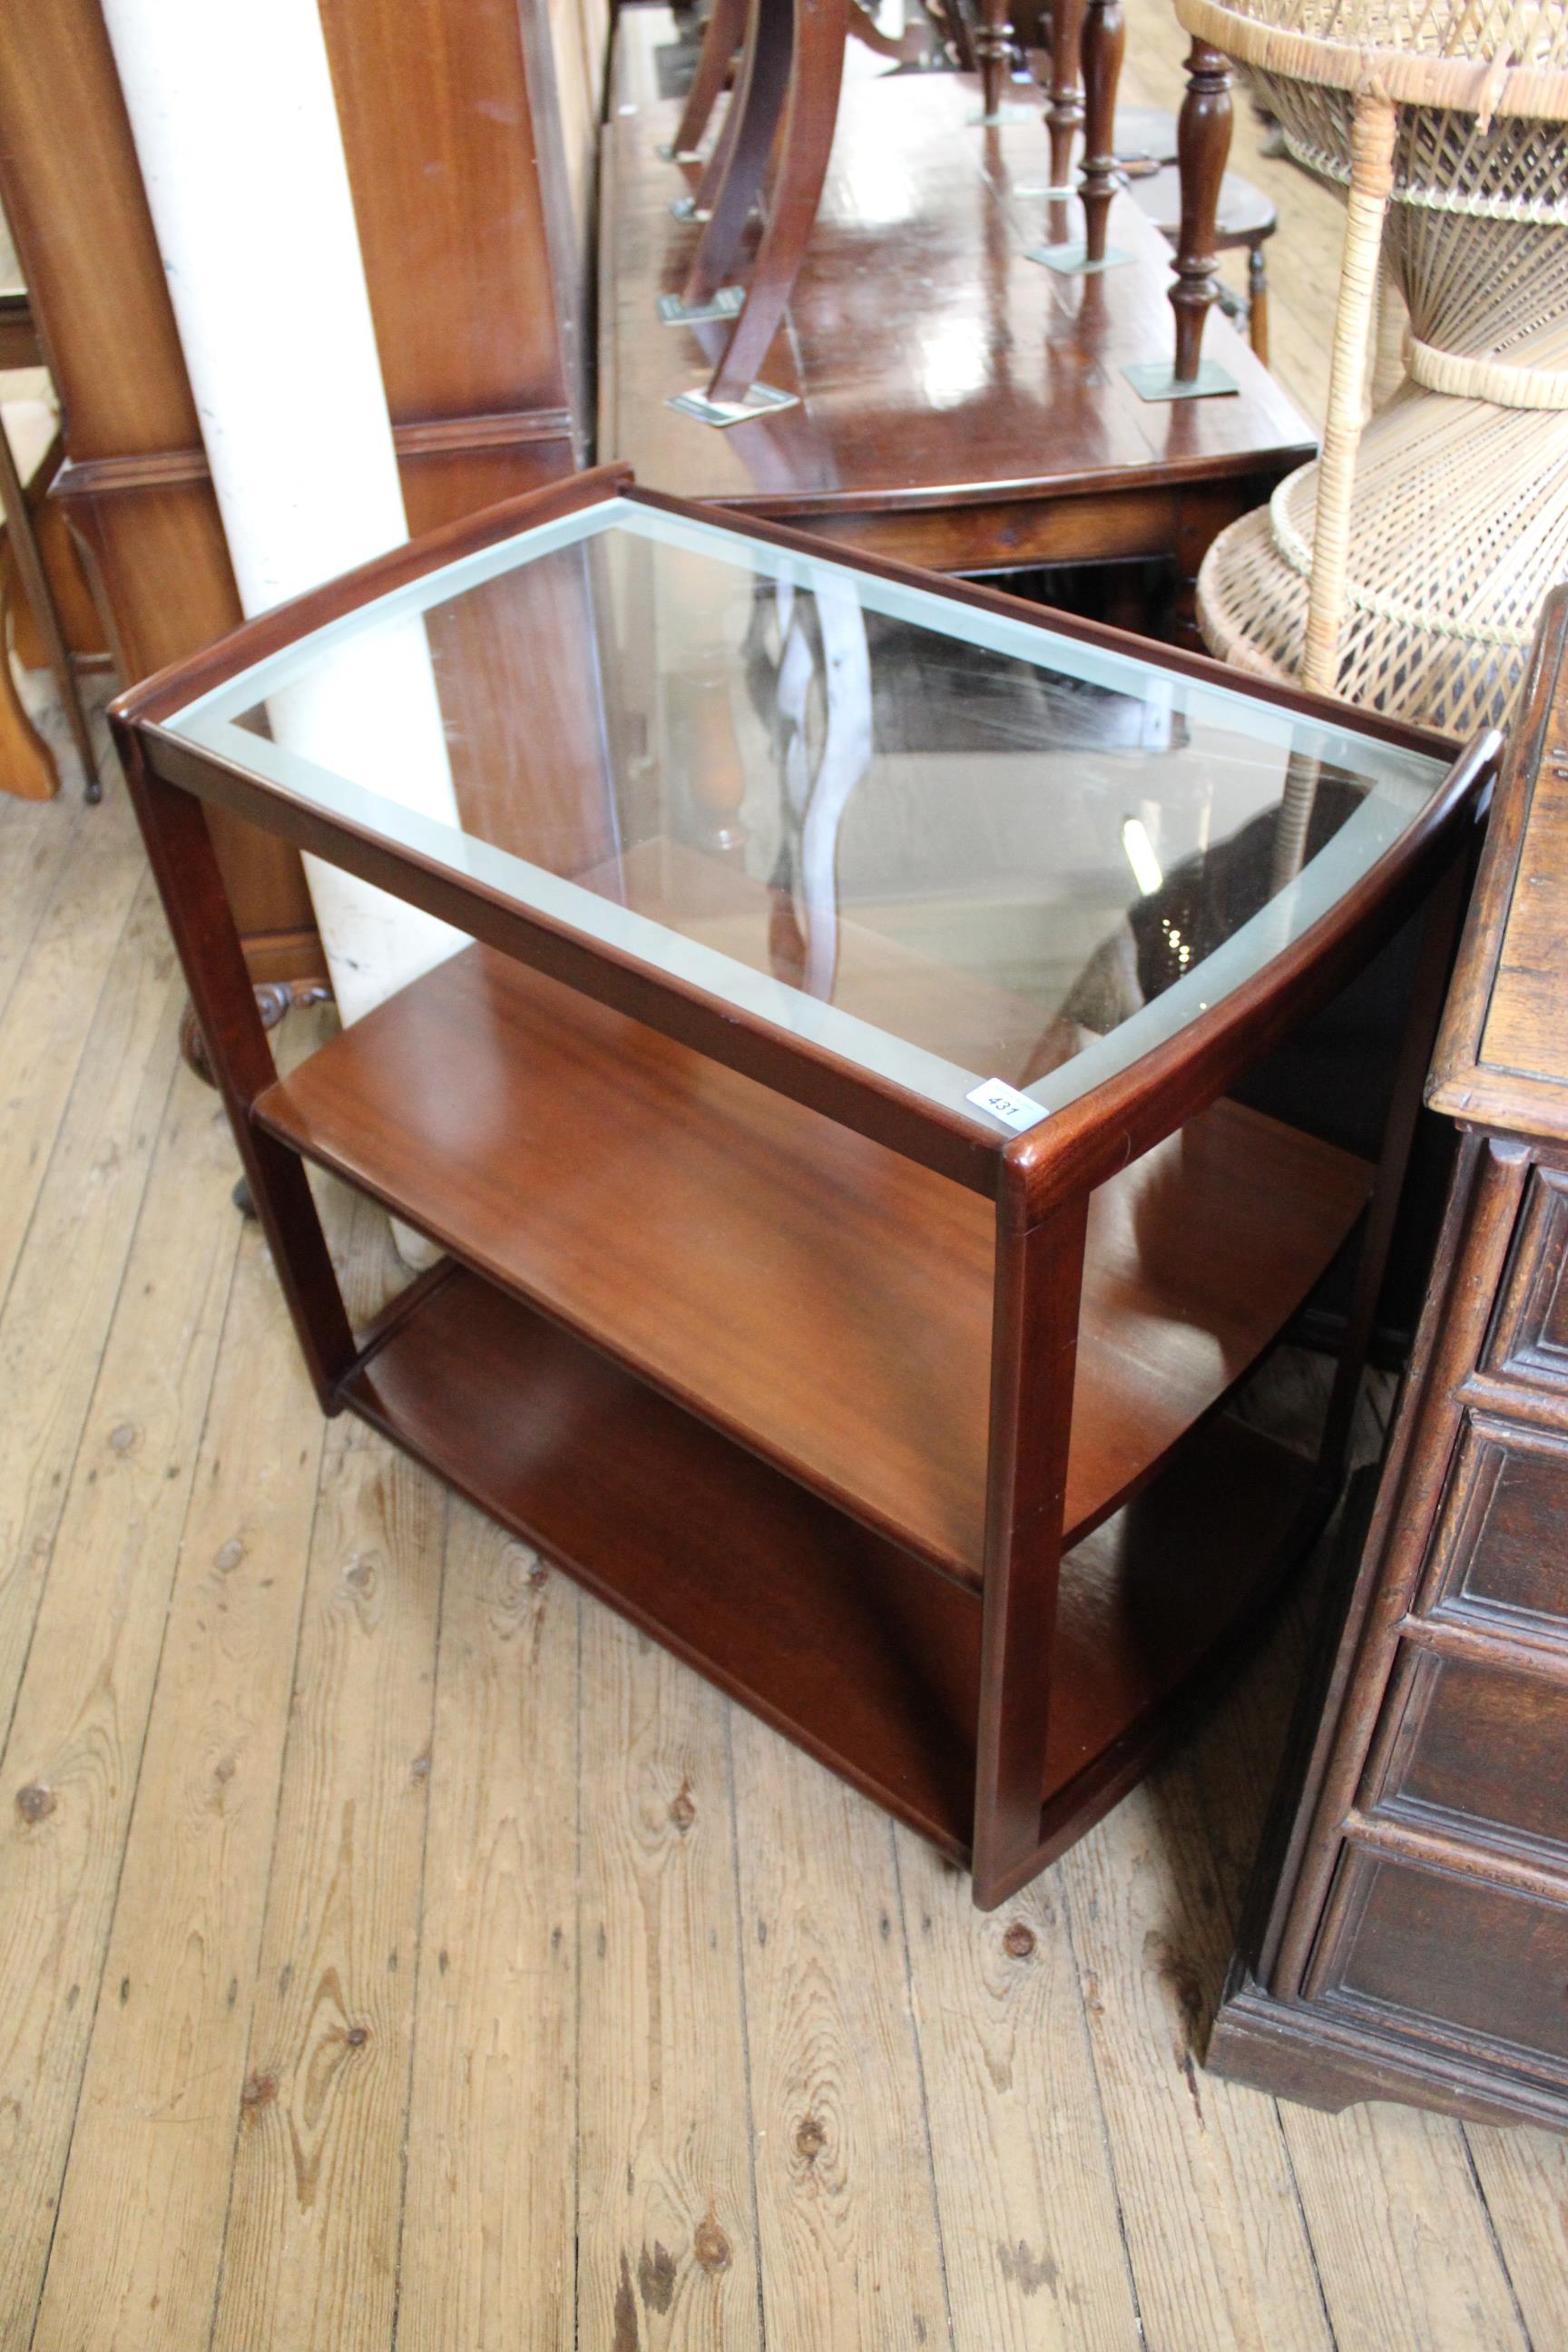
(1012, 1110)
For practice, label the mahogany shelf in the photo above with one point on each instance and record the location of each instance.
(801, 1288)
(815, 1623)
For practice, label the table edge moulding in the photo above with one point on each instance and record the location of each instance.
(1410, 1945)
(907, 1616)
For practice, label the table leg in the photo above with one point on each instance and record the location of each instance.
(805, 144)
(1103, 44)
(1040, 1277)
(186, 868)
(1203, 147)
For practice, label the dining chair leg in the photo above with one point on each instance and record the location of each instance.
(1104, 42)
(1063, 111)
(1203, 148)
(800, 168)
(27, 769)
(755, 112)
(993, 55)
(723, 36)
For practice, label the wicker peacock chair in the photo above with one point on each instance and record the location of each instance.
(1405, 568)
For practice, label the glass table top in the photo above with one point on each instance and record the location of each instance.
(963, 852)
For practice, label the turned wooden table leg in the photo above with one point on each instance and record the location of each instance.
(993, 56)
(815, 70)
(1203, 147)
(725, 32)
(747, 142)
(1104, 42)
(1064, 110)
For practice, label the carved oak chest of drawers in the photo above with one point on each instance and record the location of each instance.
(1409, 1939)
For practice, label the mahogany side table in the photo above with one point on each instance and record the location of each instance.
(838, 1102)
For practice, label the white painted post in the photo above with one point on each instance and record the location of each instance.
(236, 131)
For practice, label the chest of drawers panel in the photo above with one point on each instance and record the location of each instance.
(1408, 1936)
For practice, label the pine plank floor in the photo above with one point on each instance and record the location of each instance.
(395, 1949)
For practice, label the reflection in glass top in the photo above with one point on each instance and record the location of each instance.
(945, 846)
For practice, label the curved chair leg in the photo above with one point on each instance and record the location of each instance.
(718, 162)
(805, 144)
(725, 31)
(748, 132)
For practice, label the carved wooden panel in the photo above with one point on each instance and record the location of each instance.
(1500, 1553)
(1531, 1338)
(1471, 1747)
(1421, 1951)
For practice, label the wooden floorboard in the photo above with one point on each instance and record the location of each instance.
(666, 2194)
(490, 2226)
(73, 1754)
(397, 1951)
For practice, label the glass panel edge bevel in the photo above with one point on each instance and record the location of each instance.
(922, 607)
(1392, 798)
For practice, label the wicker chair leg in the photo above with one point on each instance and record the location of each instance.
(1372, 178)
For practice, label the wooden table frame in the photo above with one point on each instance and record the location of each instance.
(1039, 1182)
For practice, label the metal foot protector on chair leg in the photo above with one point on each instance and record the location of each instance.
(724, 303)
(758, 400)
(1104, 39)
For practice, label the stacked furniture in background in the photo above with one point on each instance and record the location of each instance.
(955, 404)
(1406, 569)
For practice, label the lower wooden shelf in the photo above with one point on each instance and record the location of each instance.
(810, 1293)
(830, 1631)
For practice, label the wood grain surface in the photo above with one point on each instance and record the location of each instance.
(316, 2208)
(490, 2257)
(664, 2129)
(138, 2236)
(121, 1484)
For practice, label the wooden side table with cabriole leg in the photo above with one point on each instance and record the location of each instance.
(1410, 1941)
